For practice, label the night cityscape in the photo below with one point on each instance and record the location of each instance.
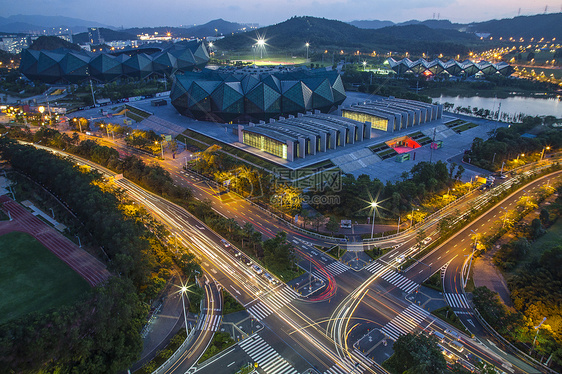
(281, 188)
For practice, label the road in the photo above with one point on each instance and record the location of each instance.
(323, 329)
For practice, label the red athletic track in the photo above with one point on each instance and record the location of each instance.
(89, 268)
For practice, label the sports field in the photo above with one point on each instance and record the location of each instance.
(32, 278)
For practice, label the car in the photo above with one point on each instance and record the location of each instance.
(200, 227)
(323, 258)
(246, 260)
(257, 269)
(234, 252)
(453, 333)
(269, 278)
(426, 241)
(400, 259)
(503, 176)
(225, 243)
(439, 336)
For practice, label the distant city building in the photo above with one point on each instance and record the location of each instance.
(251, 95)
(304, 135)
(449, 68)
(65, 66)
(391, 114)
(94, 36)
(13, 43)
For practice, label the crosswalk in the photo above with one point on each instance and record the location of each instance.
(457, 301)
(357, 363)
(273, 300)
(392, 277)
(266, 357)
(208, 322)
(335, 268)
(405, 322)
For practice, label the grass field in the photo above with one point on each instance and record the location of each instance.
(33, 279)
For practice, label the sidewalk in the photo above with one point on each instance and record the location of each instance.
(163, 325)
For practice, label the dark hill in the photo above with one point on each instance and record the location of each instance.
(373, 24)
(199, 31)
(108, 35)
(51, 43)
(322, 34)
(546, 26)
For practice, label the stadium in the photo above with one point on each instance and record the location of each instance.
(450, 68)
(69, 66)
(232, 96)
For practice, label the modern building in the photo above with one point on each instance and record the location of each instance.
(449, 68)
(391, 114)
(66, 66)
(94, 36)
(304, 135)
(243, 96)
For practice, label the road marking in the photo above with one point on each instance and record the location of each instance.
(213, 271)
(439, 257)
(232, 363)
(421, 271)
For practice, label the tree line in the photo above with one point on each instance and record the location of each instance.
(100, 333)
(507, 143)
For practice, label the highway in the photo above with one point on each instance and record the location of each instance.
(328, 331)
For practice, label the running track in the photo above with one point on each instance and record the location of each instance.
(89, 268)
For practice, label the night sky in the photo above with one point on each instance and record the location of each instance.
(130, 13)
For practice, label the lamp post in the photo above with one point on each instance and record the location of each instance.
(41, 110)
(542, 153)
(364, 65)
(374, 205)
(471, 257)
(505, 217)
(536, 334)
(307, 45)
(183, 290)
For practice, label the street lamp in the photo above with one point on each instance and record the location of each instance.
(41, 110)
(307, 45)
(183, 290)
(374, 205)
(364, 64)
(542, 153)
(537, 333)
(261, 46)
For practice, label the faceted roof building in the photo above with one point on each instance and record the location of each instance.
(451, 67)
(244, 96)
(68, 66)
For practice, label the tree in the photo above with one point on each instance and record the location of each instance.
(444, 225)
(544, 216)
(332, 225)
(420, 236)
(459, 173)
(317, 220)
(417, 353)
(278, 252)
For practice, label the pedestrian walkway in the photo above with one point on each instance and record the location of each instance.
(405, 322)
(457, 301)
(210, 322)
(392, 277)
(266, 357)
(355, 362)
(335, 268)
(273, 300)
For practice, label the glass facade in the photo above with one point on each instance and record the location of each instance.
(378, 123)
(266, 144)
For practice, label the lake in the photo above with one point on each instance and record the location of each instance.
(512, 105)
